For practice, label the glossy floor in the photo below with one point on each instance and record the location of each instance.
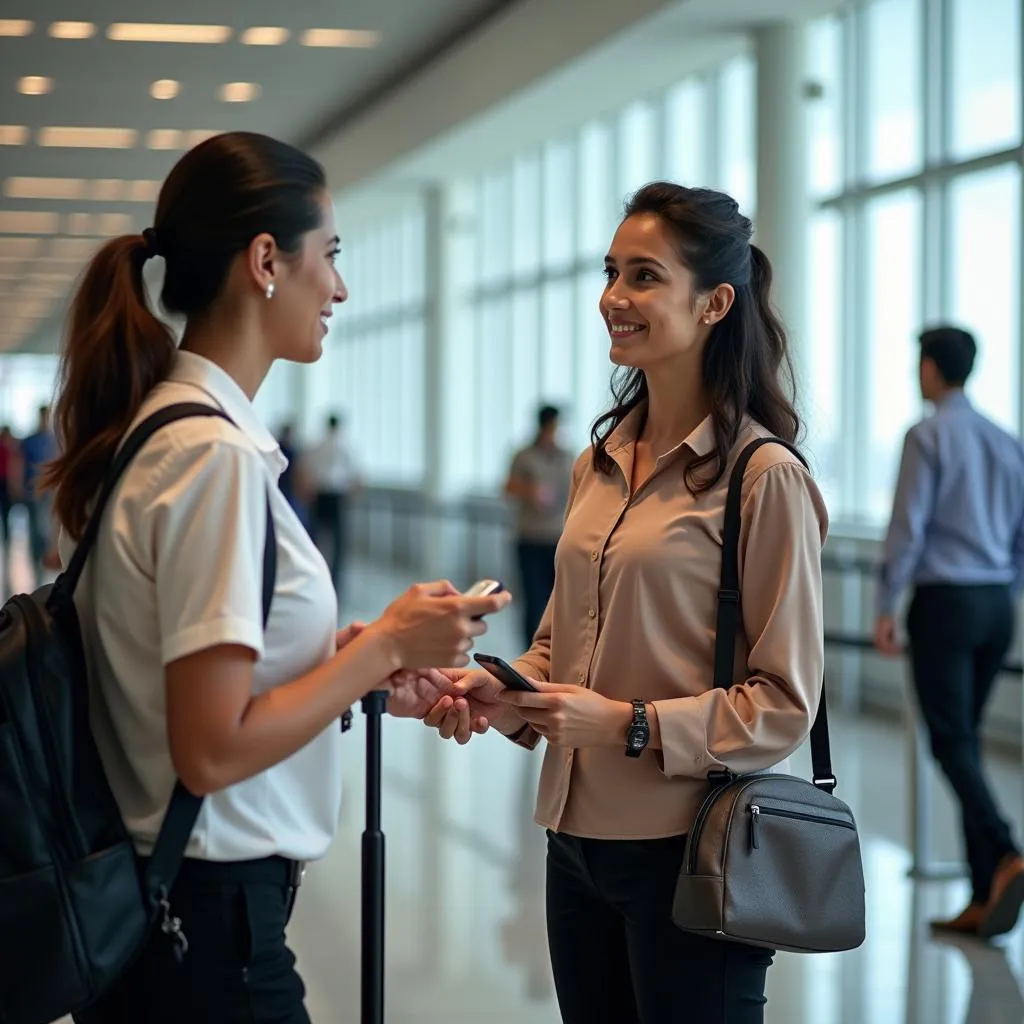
(465, 939)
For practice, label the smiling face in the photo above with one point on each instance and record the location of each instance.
(305, 292)
(651, 305)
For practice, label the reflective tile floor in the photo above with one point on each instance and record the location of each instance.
(465, 939)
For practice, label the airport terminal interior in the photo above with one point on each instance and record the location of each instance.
(479, 153)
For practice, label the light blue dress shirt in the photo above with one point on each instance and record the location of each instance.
(958, 514)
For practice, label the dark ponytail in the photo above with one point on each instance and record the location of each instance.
(216, 200)
(746, 368)
(115, 353)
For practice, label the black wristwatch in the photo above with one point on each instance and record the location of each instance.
(639, 733)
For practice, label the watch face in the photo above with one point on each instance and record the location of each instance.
(638, 739)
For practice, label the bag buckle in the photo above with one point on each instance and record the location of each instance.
(171, 925)
(827, 783)
(729, 596)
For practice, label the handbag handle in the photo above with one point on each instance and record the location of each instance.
(728, 618)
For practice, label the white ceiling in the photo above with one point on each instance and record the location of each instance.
(305, 93)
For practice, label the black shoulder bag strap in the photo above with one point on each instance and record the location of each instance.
(183, 811)
(728, 621)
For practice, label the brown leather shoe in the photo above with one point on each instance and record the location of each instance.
(1006, 898)
(965, 923)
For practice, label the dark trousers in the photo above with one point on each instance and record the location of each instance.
(537, 576)
(959, 637)
(330, 532)
(238, 968)
(616, 955)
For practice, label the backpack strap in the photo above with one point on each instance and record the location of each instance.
(728, 620)
(184, 808)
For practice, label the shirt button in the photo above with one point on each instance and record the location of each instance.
(580, 677)
(592, 613)
(594, 556)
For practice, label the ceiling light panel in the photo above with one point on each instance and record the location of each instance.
(98, 189)
(72, 30)
(88, 138)
(147, 32)
(265, 35)
(341, 37)
(44, 188)
(142, 191)
(13, 134)
(239, 92)
(35, 85)
(72, 248)
(24, 248)
(104, 190)
(165, 89)
(20, 222)
(15, 28)
(200, 135)
(165, 138)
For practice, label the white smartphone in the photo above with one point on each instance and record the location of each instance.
(485, 588)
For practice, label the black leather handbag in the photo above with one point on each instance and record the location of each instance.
(772, 860)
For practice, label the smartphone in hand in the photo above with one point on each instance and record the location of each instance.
(504, 673)
(485, 588)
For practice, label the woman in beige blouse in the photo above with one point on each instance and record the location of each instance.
(629, 632)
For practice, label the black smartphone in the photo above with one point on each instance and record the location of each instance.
(504, 673)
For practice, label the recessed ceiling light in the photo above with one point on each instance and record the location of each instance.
(147, 32)
(44, 188)
(13, 27)
(265, 35)
(200, 135)
(88, 138)
(165, 138)
(356, 38)
(19, 222)
(13, 135)
(165, 89)
(34, 85)
(72, 30)
(239, 92)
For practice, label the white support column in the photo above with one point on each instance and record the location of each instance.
(782, 202)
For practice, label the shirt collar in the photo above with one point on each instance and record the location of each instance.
(222, 388)
(700, 441)
(955, 399)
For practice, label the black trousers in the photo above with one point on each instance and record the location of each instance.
(238, 968)
(959, 637)
(616, 955)
(330, 532)
(537, 574)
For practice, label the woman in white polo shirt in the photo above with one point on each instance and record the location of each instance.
(187, 684)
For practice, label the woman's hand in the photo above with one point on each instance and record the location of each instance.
(470, 706)
(572, 716)
(433, 624)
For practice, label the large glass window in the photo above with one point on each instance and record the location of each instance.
(638, 147)
(557, 207)
(526, 215)
(985, 295)
(685, 131)
(598, 205)
(820, 364)
(893, 102)
(825, 108)
(737, 128)
(986, 71)
(892, 316)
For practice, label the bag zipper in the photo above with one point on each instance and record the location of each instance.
(777, 812)
(73, 848)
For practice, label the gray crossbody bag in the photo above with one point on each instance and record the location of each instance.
(771, 860)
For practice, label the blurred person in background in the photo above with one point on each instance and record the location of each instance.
(624, 656)
(957, 538)
(37, 450)
(188, 682)
(538, 481)
(335, 481)
(11, 474)
(293, 483)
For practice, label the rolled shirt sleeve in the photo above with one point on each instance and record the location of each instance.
(768, 713)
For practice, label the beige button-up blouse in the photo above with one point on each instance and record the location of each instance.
(633, 616)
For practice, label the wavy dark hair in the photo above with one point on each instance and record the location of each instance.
(746, 367)
(216, 200)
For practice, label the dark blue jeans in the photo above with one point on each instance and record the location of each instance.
(959, 637)
(616, 955)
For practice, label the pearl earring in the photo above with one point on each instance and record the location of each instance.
(270, 290)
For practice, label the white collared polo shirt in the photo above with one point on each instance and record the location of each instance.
(177, 569)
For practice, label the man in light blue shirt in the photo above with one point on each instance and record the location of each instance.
(957, 538)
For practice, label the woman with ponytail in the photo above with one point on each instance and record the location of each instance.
(187, 683)
(624, 657)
